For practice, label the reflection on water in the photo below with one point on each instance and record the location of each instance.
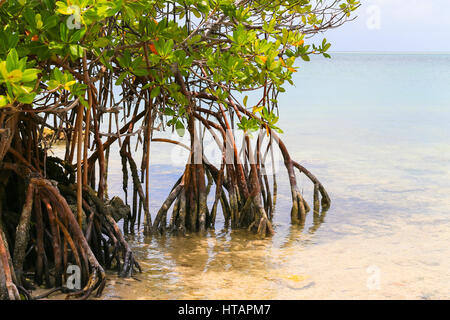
(375, 130)
(412, 261)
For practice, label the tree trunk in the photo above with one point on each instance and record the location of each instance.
(8, 124)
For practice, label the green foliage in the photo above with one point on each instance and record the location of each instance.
(18, 79)
(138, 43)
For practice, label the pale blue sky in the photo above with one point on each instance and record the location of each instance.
(396, 25)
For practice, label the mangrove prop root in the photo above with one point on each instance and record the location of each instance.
(48, 227)
(22, 234)
(129, 262)
(242, 186)
(11, 288)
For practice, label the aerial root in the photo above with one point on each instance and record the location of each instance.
(49, 221)
(12, 292)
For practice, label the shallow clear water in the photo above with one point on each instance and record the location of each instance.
(375, 130)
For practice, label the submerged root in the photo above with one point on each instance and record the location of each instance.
(242, 189)
(191, 214)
